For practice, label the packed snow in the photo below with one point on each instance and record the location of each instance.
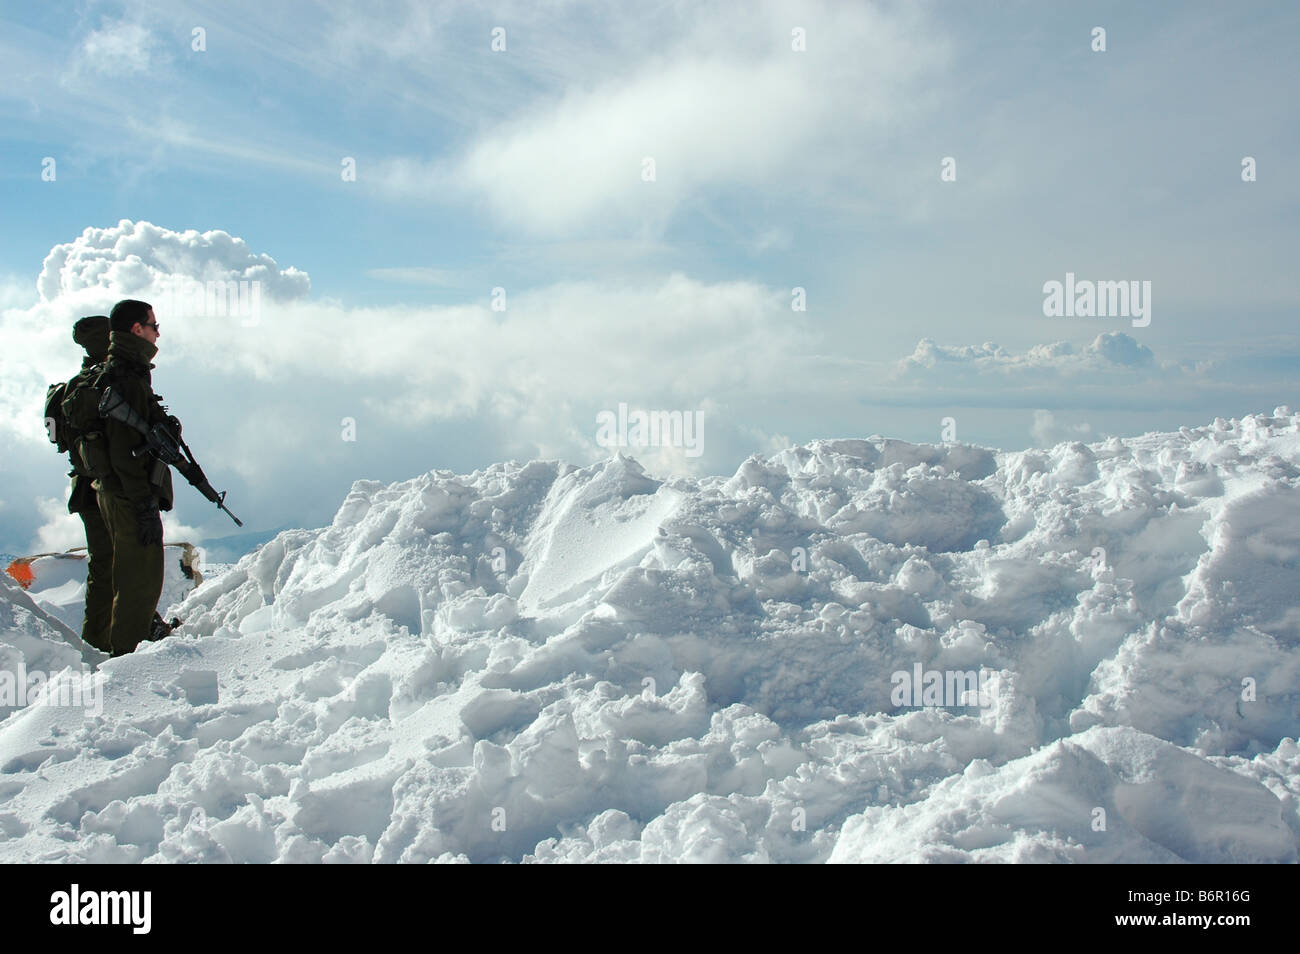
(540, 662)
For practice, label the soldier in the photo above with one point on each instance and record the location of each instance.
(136, 489)
(92, 334)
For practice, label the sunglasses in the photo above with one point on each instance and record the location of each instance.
(150, 324)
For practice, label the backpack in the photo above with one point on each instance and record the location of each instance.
(82, 427)
(56, 425)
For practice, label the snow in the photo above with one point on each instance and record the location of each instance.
(31, 637)
(540, 662)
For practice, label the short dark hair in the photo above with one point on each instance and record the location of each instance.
(127, 312)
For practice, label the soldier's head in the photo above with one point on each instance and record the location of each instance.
(135, 317)
(91, 333)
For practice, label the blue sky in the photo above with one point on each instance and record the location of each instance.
(521, 169)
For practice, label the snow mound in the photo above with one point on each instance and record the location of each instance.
(31, 639)
(1105, 795)
(541, 662)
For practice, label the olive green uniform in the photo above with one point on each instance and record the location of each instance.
(99, 564)
(93, 336)
(137, 570)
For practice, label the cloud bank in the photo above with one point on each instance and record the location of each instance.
(288, 410)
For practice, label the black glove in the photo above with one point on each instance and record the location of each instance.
(175, 423)
(146, 512)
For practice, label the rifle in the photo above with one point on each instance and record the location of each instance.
(167, 448)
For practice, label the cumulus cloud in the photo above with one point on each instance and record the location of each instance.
(101, 266)
(562, 345)
(1108, 351)
(1113, 367)
(1114, 372)
(133, 258)
(1119, 348)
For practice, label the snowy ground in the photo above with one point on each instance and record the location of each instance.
(538, 662)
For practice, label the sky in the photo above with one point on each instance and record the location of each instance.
(476, 227)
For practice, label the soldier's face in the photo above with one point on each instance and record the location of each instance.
(149, 331)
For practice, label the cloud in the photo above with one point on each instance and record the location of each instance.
(118, 48)
(1048, 430)
(728, 105)
(175, 531)
(1114, 373)
(601, 341)
(539, 370)
(1119, 348)
(101, 266)
(131, 258)
(60, 530)
(264, 406)
(15, 292)
(463, 385)
(1112, 355)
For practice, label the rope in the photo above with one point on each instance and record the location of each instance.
(20, 568)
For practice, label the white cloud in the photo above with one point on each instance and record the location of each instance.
(16, 292)
(1048, 430)
(87, 275)
(533, 375)
(1111, 353)
(175, 531)
(263, 405)
(119, 48)
(131, 257)
(730, 104)
(60, 531)
(1113, 372)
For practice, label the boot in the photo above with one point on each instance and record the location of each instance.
(160, 628)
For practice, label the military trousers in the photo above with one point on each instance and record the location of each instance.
(137, 575)
(99, 580)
